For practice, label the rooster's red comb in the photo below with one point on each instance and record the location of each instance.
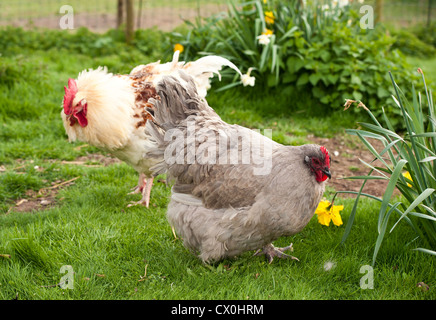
(70, 93)
(326, 154)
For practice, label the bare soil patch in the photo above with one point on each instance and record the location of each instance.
(46, 197)
(346, 151)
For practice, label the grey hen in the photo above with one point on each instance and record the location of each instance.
(234, 189)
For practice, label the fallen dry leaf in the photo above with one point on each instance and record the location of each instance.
(20, 202)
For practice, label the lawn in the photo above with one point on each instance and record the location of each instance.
(131, 253)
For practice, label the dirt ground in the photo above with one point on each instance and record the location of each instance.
(46, 197)
(346, 151)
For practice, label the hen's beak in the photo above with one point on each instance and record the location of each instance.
(326, 171)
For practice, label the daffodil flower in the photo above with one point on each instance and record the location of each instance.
(247, 80)
(265, 37)
(179, 47)
(267, 32)
(269, 17)
(327, 212)
(408, 176)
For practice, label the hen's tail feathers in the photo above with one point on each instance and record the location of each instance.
(177, 102)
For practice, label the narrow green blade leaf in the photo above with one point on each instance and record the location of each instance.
(424, 195)
(389, 191)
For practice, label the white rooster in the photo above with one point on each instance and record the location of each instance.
(110, 111)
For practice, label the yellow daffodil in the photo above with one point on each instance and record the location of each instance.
(327, 212)
(267, 32)
(265, 1)
(269, 17)
(407, 175)
(179, 47)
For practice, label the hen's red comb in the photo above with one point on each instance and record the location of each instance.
(326, 154)
(70, 93)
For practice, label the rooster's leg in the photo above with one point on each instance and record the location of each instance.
(270, 252)
(140, 186)
(145, 189)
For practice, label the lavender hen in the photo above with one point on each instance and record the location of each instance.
(234, 189)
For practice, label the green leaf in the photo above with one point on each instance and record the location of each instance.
(424, 195)
(382, 231)
(303, 79)
(318, 92)
(325, 55)
(271, 80)
(388, 192)
(357, 95)
(332, 78)
(382, 92)
(294, 64)
(353, 212)
(289, 77)
(314, 78)
(355, 80)
(428, 251)
(427, 159)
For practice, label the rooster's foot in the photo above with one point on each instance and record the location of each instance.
(138, 203)
(141, 184)
(136, 190)
(270, 252)
(145, 189)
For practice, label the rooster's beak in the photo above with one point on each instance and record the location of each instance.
(326, 171)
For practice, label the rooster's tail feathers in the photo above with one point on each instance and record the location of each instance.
(204, 68)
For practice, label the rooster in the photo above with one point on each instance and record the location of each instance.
(222, 208)
(110, 111)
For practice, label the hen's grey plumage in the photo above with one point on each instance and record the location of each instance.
(226, 208)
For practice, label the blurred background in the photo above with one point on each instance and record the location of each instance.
(101, 15)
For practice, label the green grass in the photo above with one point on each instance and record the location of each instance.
(109, 246)
(427, 65)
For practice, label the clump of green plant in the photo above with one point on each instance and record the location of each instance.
(317, 47)
(150, 42)
(408, 162)
(425, 33)
(408, 43)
